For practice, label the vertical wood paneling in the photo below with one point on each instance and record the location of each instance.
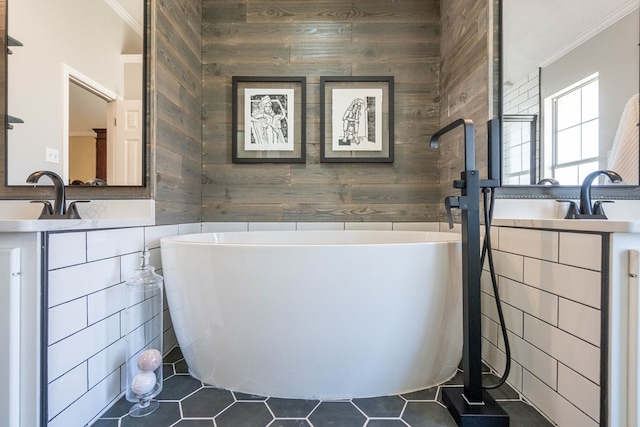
(312, 39)
(464, 84)
(178, 106)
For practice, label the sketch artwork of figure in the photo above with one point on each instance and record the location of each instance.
(351, 122)
(266, 121)
(356, 119)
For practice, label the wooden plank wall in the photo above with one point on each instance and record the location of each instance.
(465, 83)
(176, 156)
(331, 38)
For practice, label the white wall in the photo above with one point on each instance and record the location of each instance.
(617, 65)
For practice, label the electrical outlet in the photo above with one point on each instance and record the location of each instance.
(53, 155)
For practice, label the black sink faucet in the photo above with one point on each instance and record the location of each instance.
(59, 210)
(585, 191)
(59, 205)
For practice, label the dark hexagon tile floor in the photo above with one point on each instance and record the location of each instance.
(187, 402)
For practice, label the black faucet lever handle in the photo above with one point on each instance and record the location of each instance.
(451, 202)
(597, 207)
(573, 211)
(72, 210)
(47, 209)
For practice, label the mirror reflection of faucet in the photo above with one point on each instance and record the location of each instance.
(586, 210)
(59, 209)
(548, 181)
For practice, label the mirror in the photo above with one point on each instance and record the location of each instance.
(570, 84)
(75, 81)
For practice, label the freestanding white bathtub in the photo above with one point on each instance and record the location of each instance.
(317, 314)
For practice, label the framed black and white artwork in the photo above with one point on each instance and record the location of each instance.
(356, 119)
(268, 119)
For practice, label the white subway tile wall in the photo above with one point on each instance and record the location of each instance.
(581, 250)
(521, 97)
(368, 226)
(87, 298)
(549, 283)
(551, 310)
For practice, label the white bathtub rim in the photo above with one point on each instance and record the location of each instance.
(282, 238)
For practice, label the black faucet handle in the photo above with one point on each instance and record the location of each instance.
(47, 209)
(597, 207)
(72, 210)
(451, 202)
(459, 183)
(573, 211)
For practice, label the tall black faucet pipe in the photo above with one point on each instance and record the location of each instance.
(469, 204)
(474, 406)
(59, 205)
(469, 141)
(585, 191)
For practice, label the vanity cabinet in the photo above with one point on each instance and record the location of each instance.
(33, 255)
(565, 293)
(20, 267)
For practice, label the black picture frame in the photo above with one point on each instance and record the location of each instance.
(268, 119)
(344, 138)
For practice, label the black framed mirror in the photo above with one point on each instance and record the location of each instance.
(545, 60)
(73, 67)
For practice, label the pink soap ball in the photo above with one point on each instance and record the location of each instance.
(143, 383)
(149, 360)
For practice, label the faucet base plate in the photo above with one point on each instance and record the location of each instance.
(586, 216)
(488, 414)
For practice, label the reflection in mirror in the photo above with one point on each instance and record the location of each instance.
(87, 135)
(577, 79)
(77, 84)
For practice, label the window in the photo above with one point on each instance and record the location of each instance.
(574, 150)
(519, 149)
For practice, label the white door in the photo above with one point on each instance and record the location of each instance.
(124, 142)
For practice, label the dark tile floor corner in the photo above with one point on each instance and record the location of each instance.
(187, 402)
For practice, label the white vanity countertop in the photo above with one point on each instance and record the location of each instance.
(624, 216)
(597, 225)
(21, 216)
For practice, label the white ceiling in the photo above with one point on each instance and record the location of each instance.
(538, 32)
(131, 11)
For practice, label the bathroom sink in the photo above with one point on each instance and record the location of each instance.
(11, 210)
(22, 216)
(624, 216)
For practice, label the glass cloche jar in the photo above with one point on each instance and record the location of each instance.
(144, 338)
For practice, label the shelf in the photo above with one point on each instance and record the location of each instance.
(13, 42)
(11, 120)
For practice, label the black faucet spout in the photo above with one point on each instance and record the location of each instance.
(585, 191)
(59, 205)
(469, 141)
